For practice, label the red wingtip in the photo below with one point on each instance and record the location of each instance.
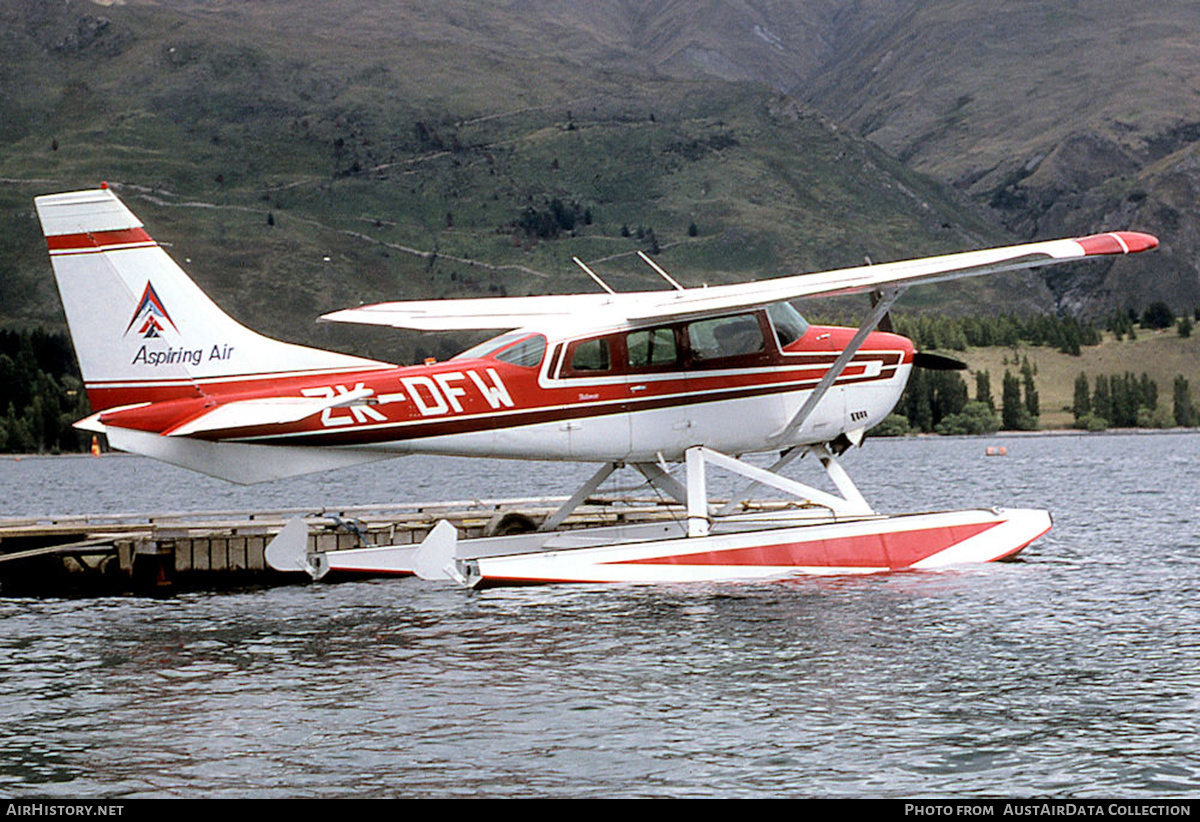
(1117, 242)
(103, 184)
(1138, 241)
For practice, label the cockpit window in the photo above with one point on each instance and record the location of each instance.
(788, 324)
(527, 353)
(725, 337)
(590, 355)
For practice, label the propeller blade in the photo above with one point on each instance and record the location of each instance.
(937, 362)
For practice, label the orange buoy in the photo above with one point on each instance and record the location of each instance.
(95, 447)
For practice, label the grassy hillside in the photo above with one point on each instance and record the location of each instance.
(305, 156)
(1160, 354)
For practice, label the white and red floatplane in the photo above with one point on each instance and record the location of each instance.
(640, 379)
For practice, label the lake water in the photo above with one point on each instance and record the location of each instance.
(1073, 673)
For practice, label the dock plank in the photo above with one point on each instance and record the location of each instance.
(168, 550)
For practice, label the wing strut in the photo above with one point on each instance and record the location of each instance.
(886, 298)
(879, 309)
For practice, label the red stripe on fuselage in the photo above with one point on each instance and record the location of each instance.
(619, 402)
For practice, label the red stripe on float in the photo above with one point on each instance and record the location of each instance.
(898, 549)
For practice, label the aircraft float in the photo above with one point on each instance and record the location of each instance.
(698, 376)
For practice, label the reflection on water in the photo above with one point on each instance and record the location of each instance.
(1072, 673)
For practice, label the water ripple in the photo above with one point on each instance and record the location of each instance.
(1073, 673)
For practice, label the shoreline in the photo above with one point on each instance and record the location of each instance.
(1050, 432)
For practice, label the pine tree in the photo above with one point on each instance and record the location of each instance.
(1122, 403)
(1148, 392)
(918, 403)
(1185, 413)
(949, 395)
(1158, 315)
(983, 389)
(1032, 404)
(1083, 400)
(1102, 399)
(1010, 402)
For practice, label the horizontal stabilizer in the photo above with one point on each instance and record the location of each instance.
(265, 411)
(238, 462)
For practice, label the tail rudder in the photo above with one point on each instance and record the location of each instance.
(143, 330)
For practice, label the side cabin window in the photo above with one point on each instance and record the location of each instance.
(527, 353)
(588, 357)
(733, 341)
(651, 348)
(721, 338)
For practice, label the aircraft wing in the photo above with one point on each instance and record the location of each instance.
(486, 312)
(522, 312)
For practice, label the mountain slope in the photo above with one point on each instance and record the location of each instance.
(330, 153)
(1060, 117)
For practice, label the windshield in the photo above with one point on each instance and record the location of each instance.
(789, 325)
(527, 353)
(489, 347)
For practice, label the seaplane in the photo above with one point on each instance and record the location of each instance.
(673, 379)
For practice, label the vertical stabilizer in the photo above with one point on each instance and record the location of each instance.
(143, 331)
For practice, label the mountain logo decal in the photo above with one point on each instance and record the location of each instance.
(150, 315)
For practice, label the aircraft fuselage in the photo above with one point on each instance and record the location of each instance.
(631, 394)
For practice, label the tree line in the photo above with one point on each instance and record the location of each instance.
(41, 394)
(1157, 316)
(1129, 401)
(1066, 334)
(939, 402)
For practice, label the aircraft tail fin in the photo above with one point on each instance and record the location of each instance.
(142, 329)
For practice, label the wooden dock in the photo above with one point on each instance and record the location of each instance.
(163, 553)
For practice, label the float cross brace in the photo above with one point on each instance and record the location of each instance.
(693, 492)
(850, 503)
